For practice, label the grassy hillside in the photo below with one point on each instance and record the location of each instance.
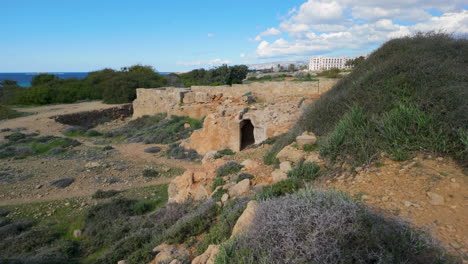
(409, 95)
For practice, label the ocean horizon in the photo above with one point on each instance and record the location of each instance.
(24, 78)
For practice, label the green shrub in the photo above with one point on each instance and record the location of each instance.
(150, 173)
(278, 189)
(217, 182)
(175, 151)
(221, 230)
(142, 207)
(230, 167)
(328, 227)
(270, 158)
(93, 133)
(218, 194)
(309, 148)
(15, 136)
(225, 152)
(100, 194)
(193, 223)
(8, 113)
(304, 171)
(243, 176)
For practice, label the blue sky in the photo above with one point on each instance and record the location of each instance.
(52, 35)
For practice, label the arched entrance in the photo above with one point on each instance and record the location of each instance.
(246, 134)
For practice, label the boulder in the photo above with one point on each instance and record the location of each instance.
(285, 166)
(208, 257)
(278, 175)
(166, 253)
(224, 198)
(209, 156)
(201, 193)
(314, 157)
(250, 164)
(245, 220)
(240, 188)
(290, 153)
(307, 138)
(179, 188)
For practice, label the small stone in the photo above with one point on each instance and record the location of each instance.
(435, 199)
(91, 165)
(225, 197)
(38, 186)
(440, 159)
(385, 198)
(278, 175)
(187, 125)
(77, 233)
(453, 180)
(122, 262)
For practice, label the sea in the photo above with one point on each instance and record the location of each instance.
(24, 78)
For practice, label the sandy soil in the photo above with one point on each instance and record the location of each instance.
(405, 188)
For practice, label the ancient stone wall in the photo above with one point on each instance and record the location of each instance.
(91, 119)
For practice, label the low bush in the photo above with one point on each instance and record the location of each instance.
(150, 173)
(62, 182)
(304, 171)
(8, 113)
(270, 158)
(331, 73)
(100, 194)
(93, 133)
(175, 151)
(221, 230)
(193, 223)
(243, 176)
(152, 150)
(230, 167)
(218, 194)
(278, 189)
(225, 152)
(315, 226)
(217, 182)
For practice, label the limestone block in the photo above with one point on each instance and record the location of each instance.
(240, 188)
(285, 166)
(290, 153)
(208, 257)
(278, 175)
(307, 138)
(245, 220)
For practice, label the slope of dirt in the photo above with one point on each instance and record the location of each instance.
(430, 192)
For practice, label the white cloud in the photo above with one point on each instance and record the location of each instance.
(319, 26)
(212, 62)
(210, 35)
(270, 32)
(242, 55)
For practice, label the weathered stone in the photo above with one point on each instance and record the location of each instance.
(245, 220)
(209, 156)
(77, 233)
(313, 157)
(121, 262)
(92, 165)
(201, 193)
(278, 175)
(225, 197)
(435, 199)
(179, 188)
(285, 166)
(166, 253)
(292, 154)
(307, 138)
(250, 164)
(240, 188)
(208, 257)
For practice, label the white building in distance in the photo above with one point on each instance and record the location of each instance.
(326, 63)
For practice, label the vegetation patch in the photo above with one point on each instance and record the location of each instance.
(243, 176)
(406, 96)
(306, 171)
(225, 152)
(228, 168)
(100, 194)
(328, 227)
(21, 145)
(175, 151)
(278, 189)
(157, 129)
(8, 113)
(217, 182)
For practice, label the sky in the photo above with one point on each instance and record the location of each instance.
(180, 35)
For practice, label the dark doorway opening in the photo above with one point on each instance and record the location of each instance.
(247, 134)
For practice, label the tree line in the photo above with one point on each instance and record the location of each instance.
(112, 86)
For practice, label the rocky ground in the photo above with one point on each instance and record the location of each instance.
(428, 191)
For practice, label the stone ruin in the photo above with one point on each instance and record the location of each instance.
(235, 117)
